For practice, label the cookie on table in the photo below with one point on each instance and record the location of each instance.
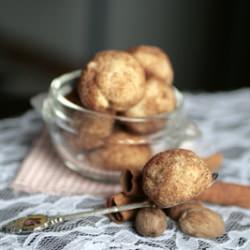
(175, 176)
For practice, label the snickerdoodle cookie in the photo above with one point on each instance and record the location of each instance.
(159, 98)
(112, 80)
(154, 61)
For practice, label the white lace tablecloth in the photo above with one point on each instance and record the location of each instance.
(224, 119)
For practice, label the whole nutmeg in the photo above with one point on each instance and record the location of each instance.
(202, 222)
(175, 176)
(176, 211)
(150, 222)
(122, 151)
(159, 98)
(154, 61)
(112, 80)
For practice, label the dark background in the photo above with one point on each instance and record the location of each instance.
(208, 41)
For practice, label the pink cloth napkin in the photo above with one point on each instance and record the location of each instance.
(43, 171)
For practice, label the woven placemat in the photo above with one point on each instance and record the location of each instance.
(43, 171)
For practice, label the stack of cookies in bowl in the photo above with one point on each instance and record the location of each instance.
(120, 109)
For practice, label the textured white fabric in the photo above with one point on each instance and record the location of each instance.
(224, 119)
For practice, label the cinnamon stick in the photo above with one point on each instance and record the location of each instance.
(131, 183)
(214, 161)
(119, 200)
(228, 194)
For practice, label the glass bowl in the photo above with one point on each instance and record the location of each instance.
(100, 145)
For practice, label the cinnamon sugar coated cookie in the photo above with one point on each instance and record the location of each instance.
(159, 97)
(154, 61)
(112, 80)
(121, 137)
(119, 156)
(175, 176)
(91, 130)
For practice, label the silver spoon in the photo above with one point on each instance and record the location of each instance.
(38, 222)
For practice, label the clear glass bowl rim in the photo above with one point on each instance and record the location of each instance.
(58, 82)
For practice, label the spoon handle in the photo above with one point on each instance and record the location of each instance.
(33, 223)
(109, 210)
